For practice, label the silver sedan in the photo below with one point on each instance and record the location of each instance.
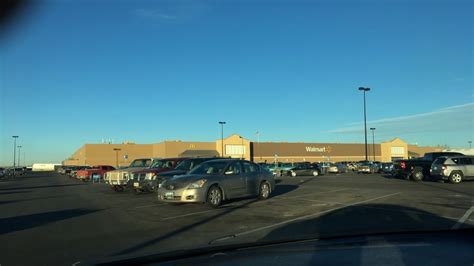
(217, 180)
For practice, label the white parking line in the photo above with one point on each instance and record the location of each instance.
(312, 215)
(190, 214)
(463, 218)
(312, 200)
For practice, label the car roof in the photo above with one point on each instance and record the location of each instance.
(456, 156)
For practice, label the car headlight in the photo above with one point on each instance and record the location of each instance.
(197, 184)
(150, 176)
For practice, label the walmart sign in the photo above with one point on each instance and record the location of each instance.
(315, 149)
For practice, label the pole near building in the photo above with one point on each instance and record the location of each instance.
(116, 156)
(14, 153)
(373, 140)
(365, 120)
(19, 155)
(222, 137)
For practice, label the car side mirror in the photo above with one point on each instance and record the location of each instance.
(229, 172)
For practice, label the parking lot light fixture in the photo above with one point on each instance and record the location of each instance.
(116, 156)
(242, 145)
(373, 140)
(14, 153)
(222, 123)
(19, 155)
(365, 120)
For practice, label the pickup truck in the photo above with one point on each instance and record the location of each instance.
(86, 174)
(419, 168)
(120, 178)
(148, 180)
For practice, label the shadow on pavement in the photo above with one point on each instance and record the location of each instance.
(17, 223)
(220, 212)
(282, 189)
(51, 186)
(14, 192)
(361, 219)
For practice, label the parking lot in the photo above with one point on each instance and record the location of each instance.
(46, 218)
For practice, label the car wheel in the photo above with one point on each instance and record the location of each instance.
(315, 173)
(293, 174)
(417, 175)
(214, 197)
(456, 177)
(264, 191)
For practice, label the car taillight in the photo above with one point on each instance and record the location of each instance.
(403, 165)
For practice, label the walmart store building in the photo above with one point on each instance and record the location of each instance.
(236, 146)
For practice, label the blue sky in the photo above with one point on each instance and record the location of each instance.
(75, 72)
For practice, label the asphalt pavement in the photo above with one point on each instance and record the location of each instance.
(50, 219)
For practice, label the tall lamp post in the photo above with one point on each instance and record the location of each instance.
(14, 153)
(222, 137)
(373, 140)
(258, 144)
(116, 156)
(365, 120)
(242, 146)
(19, 155)
(470, 144)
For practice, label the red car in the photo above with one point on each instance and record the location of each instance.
(100, 170)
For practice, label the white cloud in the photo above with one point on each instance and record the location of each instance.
(448, 119)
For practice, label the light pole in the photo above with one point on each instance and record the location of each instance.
(14, 152)
(19, 154)
(373, 140)
(258, 144)
(365, 120)
(470, 144)
(242, 145)
(222, 137)
(116, 156)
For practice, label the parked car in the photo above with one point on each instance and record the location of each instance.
(455, 169)
(367, 168)
(119, 179)
(386, 168)
(304, 170)
(418, 169)
(2, 172)
(214, 181)
(336, 168)
(74, 169)
(283, 168)
(100, 170)
(147, 180)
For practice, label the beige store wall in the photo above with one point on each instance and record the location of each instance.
(235, 146)
(394, 148)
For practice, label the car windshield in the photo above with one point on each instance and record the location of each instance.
(141, 163)
(162, 164)
(439, 161)
(209, 168)
(186, 165)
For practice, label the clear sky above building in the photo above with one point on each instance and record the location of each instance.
(75, 72)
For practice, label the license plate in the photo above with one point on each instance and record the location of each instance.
(169, 195)
(136, 184)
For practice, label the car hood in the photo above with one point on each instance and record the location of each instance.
(130, 169)
(173, 173)
(151, 170)
(184, 179)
